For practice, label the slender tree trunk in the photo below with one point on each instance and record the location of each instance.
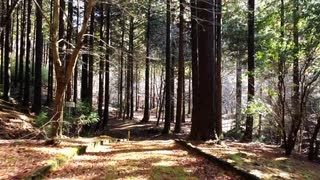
(281, 75)
(17, 50)
(251, 69)
(218, 95)
(177, 128)
(121, 68)
(91, 59)
(172, 82)
(296, 111)
(161, 97)
(22, 49)
(107, 73)
(127, 96)
(69, 39)
(146, 114)
(189, 92)
(26, 96)
(75, 80)
(137, 87)
(84, 74)
(168, 80)
(2, 56)
(101, 67)
(7, 51)
(38, 62)
(50, 68)
(312, 155)
(151, 88)
(131, 53)
(238, 92)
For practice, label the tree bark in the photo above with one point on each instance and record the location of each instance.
(131, 53)
(22, 49)
(251, 69)
(101, 67)
(203, 124)
(26, 96)
(146, 114)
(238, 93)
(17, 49)
(218, 95)
(167, 93)
(91, 59)
(295, 99)
(38, 63)
(64, 78)
(107, 73)
(177, 128)
(121, 68)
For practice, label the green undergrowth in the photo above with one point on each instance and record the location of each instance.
(175, 173)
(274, 168)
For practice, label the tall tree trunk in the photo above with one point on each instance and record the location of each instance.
(161, 97)
(281, 76)
(91, 59)
(146, 114)
(131, 48)
(107, 73)
(203, 123)
(7, 51)
(101, 67)
(189, 91)
(17, 50)
(69, 40)
(121, 68)
(75, 80)
(312, 155)
(238, 92)
(137, 87)
(173, 64)
(38, 63)
(251, 69)
(127, 96)
(26, 96)
(2, 56)
(167, 93)
(84, 73)
(64, 78)
(22, 49)
(296, 111)
(177, 128)
(218, 95)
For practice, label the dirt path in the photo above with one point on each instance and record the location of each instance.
(157, 159)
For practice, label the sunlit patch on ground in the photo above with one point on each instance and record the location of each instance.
(266, 162)
(19, 158)
(140, 160)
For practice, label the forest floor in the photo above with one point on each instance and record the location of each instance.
(150, 159)
(148, 155)
(264, 161)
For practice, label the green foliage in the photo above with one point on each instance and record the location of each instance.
(163, 172)
(234, 133)
(44, 74)
(41, 119)
(83, 116)
(258, 107)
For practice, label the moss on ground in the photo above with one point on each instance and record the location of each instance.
(164, 172)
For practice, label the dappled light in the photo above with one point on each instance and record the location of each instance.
(143, 159)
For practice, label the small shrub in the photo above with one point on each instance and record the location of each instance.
(83, 116)
(41, 119)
